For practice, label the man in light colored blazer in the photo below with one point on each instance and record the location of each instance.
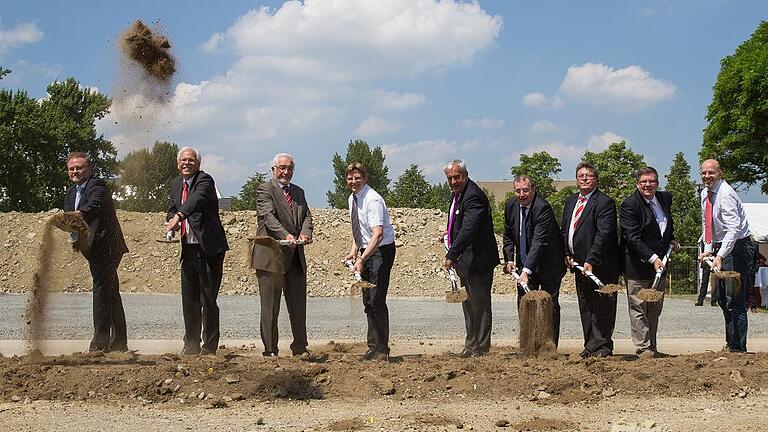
(283, 214)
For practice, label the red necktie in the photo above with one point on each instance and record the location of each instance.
(708, 218)
(183, 200)
(579, 208)
(287, 194)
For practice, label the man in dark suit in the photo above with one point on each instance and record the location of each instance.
(283, 214)
(648, 231)
(90, 198)
(194, 211)
(532, 244)
(589, 234)
(473, 251)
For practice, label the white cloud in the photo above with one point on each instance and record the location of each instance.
(482, 123)
(536, 100)
(224, 169)
(393, 101)
(212, 43)
(598, 143)
(373, 126)
(21, 34)
(22, 69)
(630, 87)
(429, 155)
(542, 126)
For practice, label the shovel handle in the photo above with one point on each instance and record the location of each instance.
(663, 268)
(169, 235)
(710, 260)
(351, 265)
(522, 285)
(290, 242)
(588, 274)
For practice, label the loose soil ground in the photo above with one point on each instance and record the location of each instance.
(429, 392)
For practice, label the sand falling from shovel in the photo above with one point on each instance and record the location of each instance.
(536, 337)
(44, 277)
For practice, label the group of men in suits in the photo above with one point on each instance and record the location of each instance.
(539, 251)
(535, 248)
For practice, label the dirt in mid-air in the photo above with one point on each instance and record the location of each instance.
(150, 49)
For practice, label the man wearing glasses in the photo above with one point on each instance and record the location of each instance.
(589, 234)
(283, 214)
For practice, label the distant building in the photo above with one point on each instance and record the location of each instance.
(500, 188)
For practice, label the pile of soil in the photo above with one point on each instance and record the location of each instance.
(336, 372)
(152, 267)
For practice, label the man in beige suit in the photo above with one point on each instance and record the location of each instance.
(283, 214)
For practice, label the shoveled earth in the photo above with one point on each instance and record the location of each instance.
(241, 379)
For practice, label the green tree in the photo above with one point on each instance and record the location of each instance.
(616, 167)
(35, 138)
(411, 190)
(737, 130)
(4, 72)
(358, 151)
(686, 212)
(247, 198)
(557, 200)
(145, 178)
(439, 196)
(542, 168)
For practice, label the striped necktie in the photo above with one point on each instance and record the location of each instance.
(577, 213)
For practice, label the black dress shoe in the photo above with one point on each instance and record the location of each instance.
(206, 351)
(699, 303)
(302, 353)
(601, 354)
(190, 350)
(369, 354)
(585, 354)
(269, 354)
(466, 353)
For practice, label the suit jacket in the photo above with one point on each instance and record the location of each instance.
(641, 234)
(98, 211)
(546, 256)
(276, 219)
(473, 244)
(595, 240)
(201, 209)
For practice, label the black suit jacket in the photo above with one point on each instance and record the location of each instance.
(546, 255)
(473, 247)
(641, 234)
(595, 240)
(98, 211)
(277, 220)
(202, 210)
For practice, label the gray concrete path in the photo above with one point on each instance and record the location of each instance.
(156, 320)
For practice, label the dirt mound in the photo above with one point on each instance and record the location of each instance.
(150, 50)
(152, 267)
(242, 374)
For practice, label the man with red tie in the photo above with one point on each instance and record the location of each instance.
(283, 214)
(588, 229)
(194, 212)
(727, 238)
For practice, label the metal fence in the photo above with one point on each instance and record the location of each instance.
(683, 271)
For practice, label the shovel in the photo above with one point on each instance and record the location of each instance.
(535, 312)
(456, 294)
(168, 238)
(264, 254)
(601, 287)
(651, 294)
(718, 273)
(360, 284)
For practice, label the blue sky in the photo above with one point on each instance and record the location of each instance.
(427, 81)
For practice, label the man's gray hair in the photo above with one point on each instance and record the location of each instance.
(523, 177)
(283, 155)
(189, 149)
(456, 162)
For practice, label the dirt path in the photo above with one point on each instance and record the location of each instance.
(335, 390)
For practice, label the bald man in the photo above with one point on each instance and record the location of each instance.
(726, 237)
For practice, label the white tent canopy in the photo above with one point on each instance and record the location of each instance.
(757, 215)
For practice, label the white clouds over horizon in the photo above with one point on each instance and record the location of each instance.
(540, 100)
(429, 155)
(482, 123)
(19, 35)
(374, 126)
(630, 87)
(569, 154)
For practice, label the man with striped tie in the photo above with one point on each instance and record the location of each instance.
(588, 229)
(283, 214)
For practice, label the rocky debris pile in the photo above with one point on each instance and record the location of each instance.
(151, 266)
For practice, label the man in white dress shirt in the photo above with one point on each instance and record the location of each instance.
(726, 237)
(373, 237)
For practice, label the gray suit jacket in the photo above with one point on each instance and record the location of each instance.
(276, 219)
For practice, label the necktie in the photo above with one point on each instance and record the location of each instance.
(577, 212)
(287, 195)
(183, 200)
(523, 237)
(78, 196)
(452, 212)
(708, 217)
(356, 233)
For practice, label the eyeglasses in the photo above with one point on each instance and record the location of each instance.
(585, 176)
(284, 168)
